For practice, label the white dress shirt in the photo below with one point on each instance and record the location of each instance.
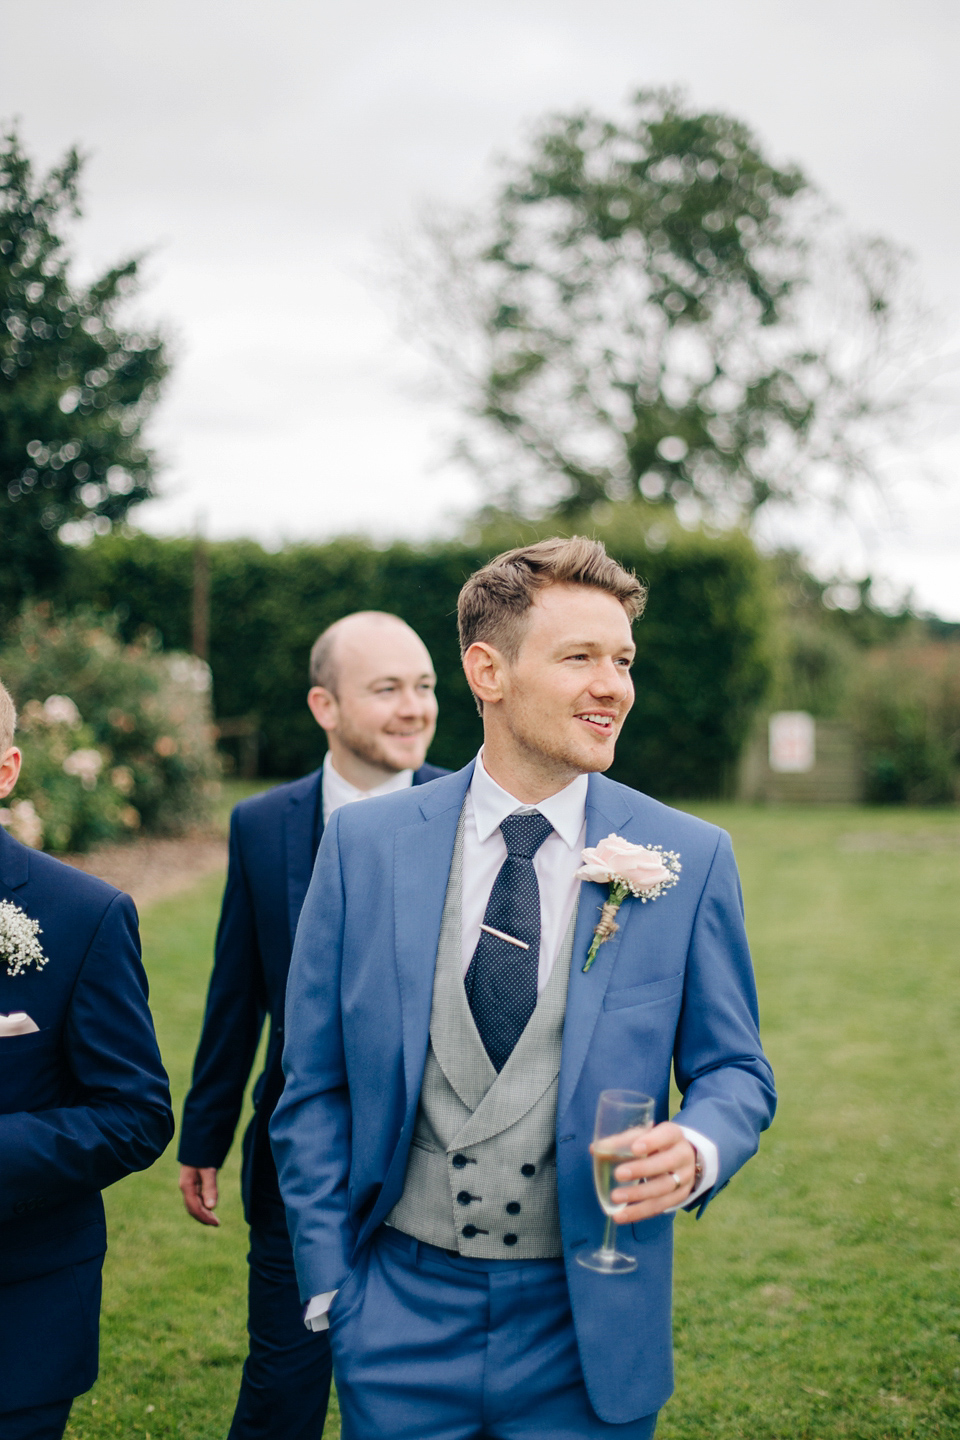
(555, 864)
(336, 791)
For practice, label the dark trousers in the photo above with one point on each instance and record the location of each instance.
(39, 1422)
(49, 1339)
(286, 1376)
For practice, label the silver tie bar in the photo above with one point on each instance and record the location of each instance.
(521, 944)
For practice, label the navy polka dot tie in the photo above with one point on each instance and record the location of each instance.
(501, 982)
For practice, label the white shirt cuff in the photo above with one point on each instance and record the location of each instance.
(711, 1166)
(315, 1316)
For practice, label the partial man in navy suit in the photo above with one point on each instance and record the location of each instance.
(453, 1015)
(371, 690)
(84, 1100)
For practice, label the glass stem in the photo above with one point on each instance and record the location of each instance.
(609, 1244)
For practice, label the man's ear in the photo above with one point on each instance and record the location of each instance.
(323, 707)
(484, 668)
(9, 771)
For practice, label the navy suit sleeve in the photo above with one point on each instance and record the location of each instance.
(310, 1129)
(232, 1022)
(720, 1067)
(121, 1119)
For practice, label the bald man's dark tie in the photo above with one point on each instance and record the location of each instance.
(501, 981)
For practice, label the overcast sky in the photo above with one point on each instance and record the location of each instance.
(263, 152)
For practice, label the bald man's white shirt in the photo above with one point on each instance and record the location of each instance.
(336, 791)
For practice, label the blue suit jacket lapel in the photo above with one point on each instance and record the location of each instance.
(607, 812)
(298, 828)
(422, 856)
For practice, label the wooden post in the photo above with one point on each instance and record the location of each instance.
(201, 599)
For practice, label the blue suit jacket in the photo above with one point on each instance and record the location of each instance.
(273, 844)
(675, 984)
(83, 1102)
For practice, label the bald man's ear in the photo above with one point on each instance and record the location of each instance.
(9, 771)
(484, 667)
(323, 707)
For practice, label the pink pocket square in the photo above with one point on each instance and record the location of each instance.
(19, 1023)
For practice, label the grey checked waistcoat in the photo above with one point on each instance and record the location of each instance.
(482, 1176)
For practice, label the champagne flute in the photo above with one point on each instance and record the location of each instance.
(618, 1111)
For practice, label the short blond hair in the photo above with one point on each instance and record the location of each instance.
(494, 602)
(8, 719)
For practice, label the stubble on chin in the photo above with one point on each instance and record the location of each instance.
(373, 750)
(563, 758)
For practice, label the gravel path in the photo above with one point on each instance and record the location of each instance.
(151, 869)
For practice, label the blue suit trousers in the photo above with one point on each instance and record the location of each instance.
(430, 1346)
(286, 1376)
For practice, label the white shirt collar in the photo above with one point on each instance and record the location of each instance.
(337, 791)
(492, 804)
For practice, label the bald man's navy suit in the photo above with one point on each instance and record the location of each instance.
(84, 1101)
(274, 838)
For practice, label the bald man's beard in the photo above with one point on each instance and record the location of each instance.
(372, 749)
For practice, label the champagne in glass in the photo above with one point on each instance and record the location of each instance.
(618, 1112)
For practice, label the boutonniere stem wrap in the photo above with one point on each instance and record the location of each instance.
(644, 871)
(19, 946)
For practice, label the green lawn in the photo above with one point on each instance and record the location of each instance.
(819, 1296)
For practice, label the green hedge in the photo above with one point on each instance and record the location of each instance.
(702, 667)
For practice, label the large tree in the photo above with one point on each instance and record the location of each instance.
(651, 308)
(75, 386)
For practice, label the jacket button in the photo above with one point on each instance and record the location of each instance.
(469, 1231)
(509, 1239)
(527, 1169)
(513, 1207)
(464, 1197)
(458, 1162)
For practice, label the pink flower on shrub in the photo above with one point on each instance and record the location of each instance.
(86, 765)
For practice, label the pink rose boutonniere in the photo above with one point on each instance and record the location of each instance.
(641, 870)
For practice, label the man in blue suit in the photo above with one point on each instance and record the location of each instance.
(84, 1101)
(447, 1041)
(372, 691)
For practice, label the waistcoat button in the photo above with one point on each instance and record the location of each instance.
(458, 1162)
(527, 1169)
(464, 1197)
(509, 1239)
(469, 1231)
(513, 1207)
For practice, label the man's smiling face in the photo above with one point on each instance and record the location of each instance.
(569, 690)
(387, 709)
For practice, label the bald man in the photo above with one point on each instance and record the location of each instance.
(372, 692)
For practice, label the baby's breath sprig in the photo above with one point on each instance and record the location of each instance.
(19, 946)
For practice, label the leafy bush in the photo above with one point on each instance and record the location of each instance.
(907, 716)
(703, 652)
(114, 736)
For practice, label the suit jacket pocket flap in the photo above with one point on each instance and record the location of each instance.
(32, 1040)
(643, 994)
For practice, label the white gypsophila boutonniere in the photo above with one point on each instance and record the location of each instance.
(641, 870)
(19, 946)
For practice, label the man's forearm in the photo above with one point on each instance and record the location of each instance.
(59, 1155)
